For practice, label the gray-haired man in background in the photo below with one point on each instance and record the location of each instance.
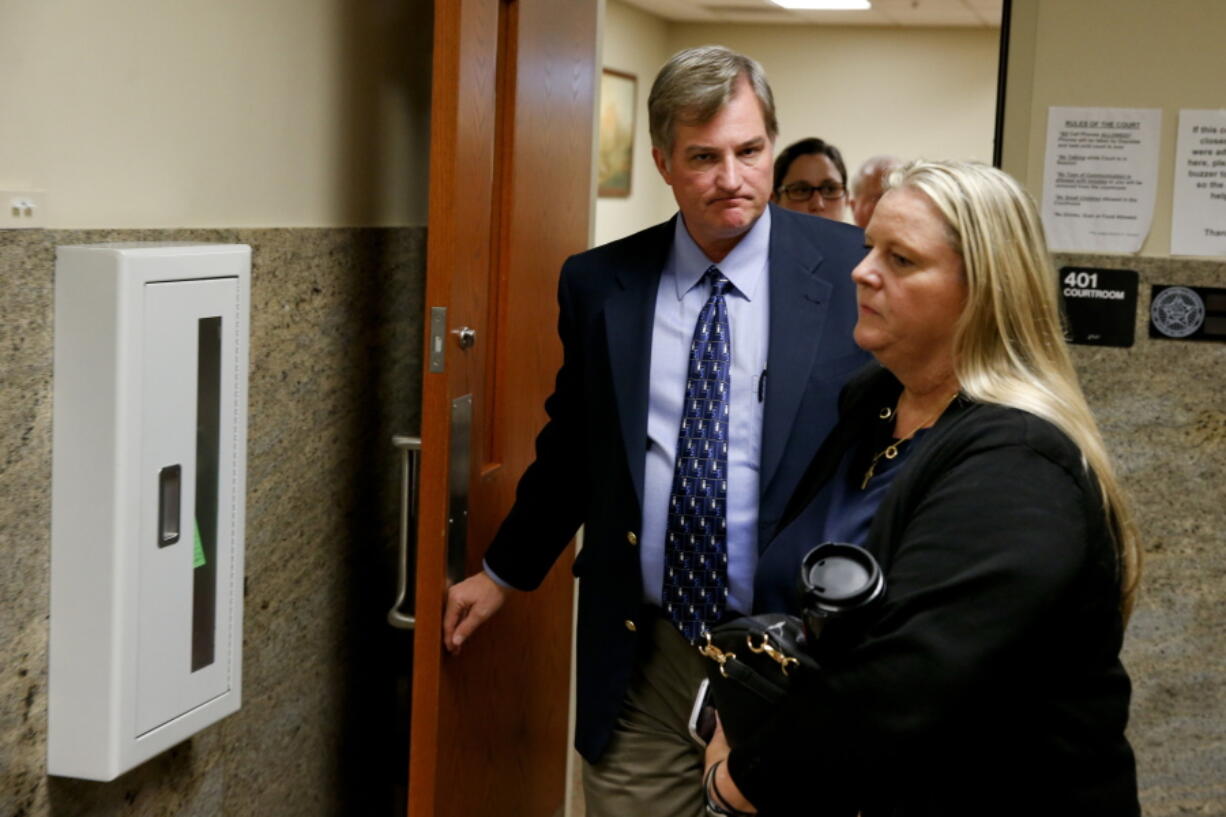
(867, 186)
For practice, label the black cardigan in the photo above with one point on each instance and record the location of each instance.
(989, 682)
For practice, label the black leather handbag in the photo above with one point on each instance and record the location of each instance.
(756, 660)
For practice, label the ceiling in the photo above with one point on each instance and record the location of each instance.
(959, 13)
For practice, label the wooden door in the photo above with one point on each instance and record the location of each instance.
(510, 197)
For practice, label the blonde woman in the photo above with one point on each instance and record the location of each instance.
(967, 461)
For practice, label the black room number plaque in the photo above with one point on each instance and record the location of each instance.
(1100, 305)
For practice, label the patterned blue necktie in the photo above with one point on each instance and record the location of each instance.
(695, 542)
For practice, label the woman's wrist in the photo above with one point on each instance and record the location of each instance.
(717, 804)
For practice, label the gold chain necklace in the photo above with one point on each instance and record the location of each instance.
(891, 450)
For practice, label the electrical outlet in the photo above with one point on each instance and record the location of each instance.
(23, 209)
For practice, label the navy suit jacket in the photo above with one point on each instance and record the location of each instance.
(590, 455)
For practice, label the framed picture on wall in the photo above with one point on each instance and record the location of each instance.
(617, 108)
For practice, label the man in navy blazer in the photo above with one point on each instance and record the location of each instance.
(604, 460)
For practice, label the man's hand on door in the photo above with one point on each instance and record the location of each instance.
(469, 604)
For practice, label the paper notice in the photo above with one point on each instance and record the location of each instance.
(1198, 217)
(1101, 178)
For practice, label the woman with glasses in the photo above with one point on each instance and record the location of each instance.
(810, 177)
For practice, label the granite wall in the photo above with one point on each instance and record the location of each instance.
(335, 370)
(1160, 407)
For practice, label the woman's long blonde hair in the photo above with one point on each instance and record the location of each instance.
(1009, 343)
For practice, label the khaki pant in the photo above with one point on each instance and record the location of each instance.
(652, 767)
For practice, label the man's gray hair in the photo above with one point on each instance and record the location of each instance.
(695, 84)
(881, 165)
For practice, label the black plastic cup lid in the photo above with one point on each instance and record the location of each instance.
(837, 577)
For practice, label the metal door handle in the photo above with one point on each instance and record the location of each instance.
(410, 449)
(466, 336)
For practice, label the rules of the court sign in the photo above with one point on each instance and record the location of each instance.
(1101, 178)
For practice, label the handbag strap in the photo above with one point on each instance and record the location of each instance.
(752, 681)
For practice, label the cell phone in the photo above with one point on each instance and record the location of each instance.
(702, 715)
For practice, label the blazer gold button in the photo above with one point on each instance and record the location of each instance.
(630, 626)
(631, 538)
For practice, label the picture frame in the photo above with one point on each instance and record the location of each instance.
(615, 157)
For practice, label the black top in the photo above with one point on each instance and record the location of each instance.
(990, 680)
(842, 511)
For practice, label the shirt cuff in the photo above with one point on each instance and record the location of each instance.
(495, 577)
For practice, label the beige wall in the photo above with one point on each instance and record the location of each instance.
(1141, 54)
(635, 42)
(912, 92)
(217, 112)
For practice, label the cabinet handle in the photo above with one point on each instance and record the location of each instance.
(170, 485)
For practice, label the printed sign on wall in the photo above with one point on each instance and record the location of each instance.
(1198, 215)
(1101, 178)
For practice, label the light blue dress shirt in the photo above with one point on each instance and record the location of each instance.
(679, 299)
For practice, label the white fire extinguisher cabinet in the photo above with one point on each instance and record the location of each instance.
(148, 480)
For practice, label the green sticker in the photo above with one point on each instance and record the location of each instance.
(198, 551)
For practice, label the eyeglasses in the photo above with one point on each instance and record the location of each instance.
(803, 191)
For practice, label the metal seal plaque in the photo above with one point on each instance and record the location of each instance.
(1187, 313)
(1177, 312)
